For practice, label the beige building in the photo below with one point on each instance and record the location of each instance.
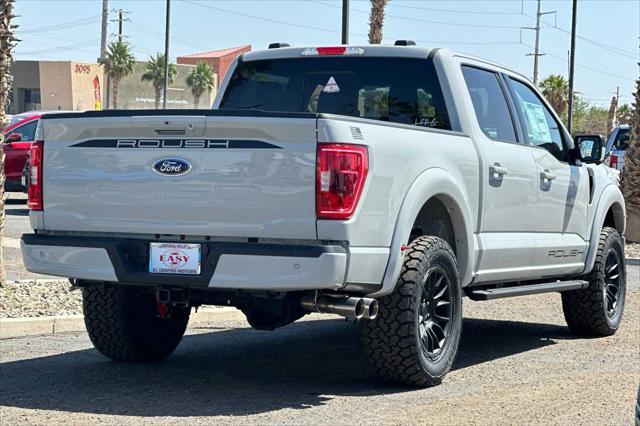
(56, 85)
(81, 86)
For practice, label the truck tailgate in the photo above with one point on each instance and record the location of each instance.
(250, 175)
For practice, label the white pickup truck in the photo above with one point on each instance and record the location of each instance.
(377, 183)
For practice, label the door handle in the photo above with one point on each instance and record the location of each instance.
(497, 169)
(547, 175)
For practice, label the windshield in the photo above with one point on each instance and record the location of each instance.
(401, 90)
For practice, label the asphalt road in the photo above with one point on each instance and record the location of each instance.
(517, 364)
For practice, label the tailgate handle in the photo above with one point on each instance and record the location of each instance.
(193, 126)
(171, 132)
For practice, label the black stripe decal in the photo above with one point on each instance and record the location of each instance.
(176, 143)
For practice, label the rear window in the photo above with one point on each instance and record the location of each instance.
(399, 90)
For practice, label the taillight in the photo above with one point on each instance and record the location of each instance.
(613, 161)
(341, 170)
(36, 155)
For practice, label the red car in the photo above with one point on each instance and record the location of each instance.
(17, 141)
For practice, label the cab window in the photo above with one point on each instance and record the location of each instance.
(539, 127)
(406, 92)
(489, 104)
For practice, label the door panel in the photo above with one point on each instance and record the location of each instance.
(509, 180)
(563, 191)
(560, 213)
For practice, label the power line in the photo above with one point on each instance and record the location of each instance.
(260, 18)
(581, 65)
(608, 47)
(426, 21)
(66, 25)
(153, 33)
(466, 12)
(76, 47)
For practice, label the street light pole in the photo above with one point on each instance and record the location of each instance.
(345, 21)
(572, 64)
(165, 91)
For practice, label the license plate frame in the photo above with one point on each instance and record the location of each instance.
(175, 258)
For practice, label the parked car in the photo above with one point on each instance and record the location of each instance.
(18, 138)
(19, 117)
(617, 146)
(377, 183)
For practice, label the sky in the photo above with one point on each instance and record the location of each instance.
(607, 46)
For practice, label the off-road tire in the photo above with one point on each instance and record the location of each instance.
(123, 323)
(392, 340)
(586, 310)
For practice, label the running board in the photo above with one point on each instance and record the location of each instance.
(479, 293)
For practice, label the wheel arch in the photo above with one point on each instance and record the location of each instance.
(610, 211)
(434, 187)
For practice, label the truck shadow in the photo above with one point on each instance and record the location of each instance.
(239, 371)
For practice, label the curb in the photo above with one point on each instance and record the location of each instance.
(38, 326)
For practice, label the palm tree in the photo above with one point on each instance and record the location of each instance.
(630, 182)
(7, 43)
(624, 114)
(155, 74)
(200, 80)
(556, 89)
(376, 21)
(119, 64)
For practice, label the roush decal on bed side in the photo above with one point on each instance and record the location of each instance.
(176, 143)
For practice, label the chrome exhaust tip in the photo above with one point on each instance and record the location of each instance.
(348, 307)
(370, 308)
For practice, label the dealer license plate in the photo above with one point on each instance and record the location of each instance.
(174, 258)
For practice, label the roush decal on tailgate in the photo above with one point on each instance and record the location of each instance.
(176, 143)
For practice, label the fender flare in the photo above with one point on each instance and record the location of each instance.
(438, 183)
(610, 197)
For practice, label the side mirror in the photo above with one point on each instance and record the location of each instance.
(13, 137)
(590, 147)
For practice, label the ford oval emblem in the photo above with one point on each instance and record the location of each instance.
(172, 167)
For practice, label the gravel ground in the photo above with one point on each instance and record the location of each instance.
(39, 298)
(632, 251)
(517, 364)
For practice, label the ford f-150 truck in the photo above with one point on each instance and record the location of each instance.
(381, 183)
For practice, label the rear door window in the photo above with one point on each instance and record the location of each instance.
(399, 90)
(489, 103)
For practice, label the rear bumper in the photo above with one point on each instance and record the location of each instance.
(230, 265)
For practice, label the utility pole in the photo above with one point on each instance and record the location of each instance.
(165, 90)
(119, 24)
(345, 21)
(572, 63)
(120, 20)
(103, 33)
(615, 115)
(537, 53)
